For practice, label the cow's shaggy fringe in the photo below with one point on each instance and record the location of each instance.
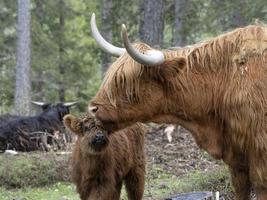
(214, 55)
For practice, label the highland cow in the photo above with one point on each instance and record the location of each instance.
(102, 161)
(216, 89)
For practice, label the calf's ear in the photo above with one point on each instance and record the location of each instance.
(74, 124)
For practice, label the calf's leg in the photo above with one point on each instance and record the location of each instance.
(104, 191)
(135, 183)
(117, 193)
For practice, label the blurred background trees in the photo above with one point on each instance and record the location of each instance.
(23, 59)
(66, 63)
(151, 26)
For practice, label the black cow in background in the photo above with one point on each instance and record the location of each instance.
(9, 117)
(17, 133)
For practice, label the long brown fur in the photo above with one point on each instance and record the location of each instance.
(100, 175)
(217, 89)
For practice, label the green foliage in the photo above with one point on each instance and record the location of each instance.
(80, 59)
(127, 12)
(7, 54)
(57, 191)
(32, 169)
(81, 55)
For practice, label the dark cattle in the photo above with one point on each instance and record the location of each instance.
(216, 89)
(9, 117)
(16, 133)
(101, 162)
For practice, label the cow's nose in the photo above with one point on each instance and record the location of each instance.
(92, 109)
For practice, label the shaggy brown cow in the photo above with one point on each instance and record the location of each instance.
(102, 161)
(216, 89)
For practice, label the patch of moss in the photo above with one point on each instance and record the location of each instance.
(33, 169)
(59, 191)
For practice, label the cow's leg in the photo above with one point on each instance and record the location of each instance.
(241, 183)
(135, 183)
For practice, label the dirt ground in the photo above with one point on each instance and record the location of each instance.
(179, 156)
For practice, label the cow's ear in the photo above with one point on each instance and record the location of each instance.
(178, 63)
(171, 68)
(74, 124)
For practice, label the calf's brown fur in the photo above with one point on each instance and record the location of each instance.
(99, 171)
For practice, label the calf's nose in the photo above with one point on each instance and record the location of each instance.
(99, 136)
(99, 140)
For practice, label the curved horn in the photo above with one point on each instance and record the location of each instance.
(69, 104)
(105, 46)
(150, 58)
(38, 103)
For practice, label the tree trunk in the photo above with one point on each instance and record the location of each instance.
(23, 64)
(61, 67)
(106, 31)
(179, 32)
(152, 22)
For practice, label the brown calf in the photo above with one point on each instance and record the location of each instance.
(102, 161)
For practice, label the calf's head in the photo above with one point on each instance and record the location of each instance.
(92, 139)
